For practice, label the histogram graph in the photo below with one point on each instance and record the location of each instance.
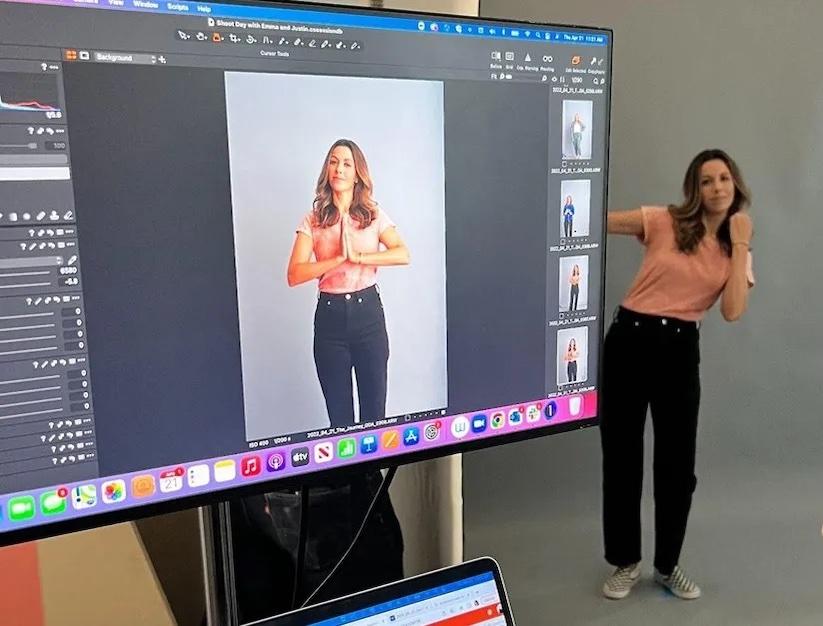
(28, 93)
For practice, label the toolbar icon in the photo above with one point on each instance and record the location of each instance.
(411, 436)
(390, 439)
(142, 486)
(84, 497)
(368, 444)
(21, 508)
(113, 491)
(575, 405)
(250, 466)
(346, 448)
(460, 427)
(300, 457)
(53, 502)
(275, 462)
(225, 470)
(323, 452)
(172, 480)
(198, 475)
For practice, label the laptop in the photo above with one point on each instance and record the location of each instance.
(463, 595)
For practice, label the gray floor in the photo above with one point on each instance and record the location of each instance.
(754, 542)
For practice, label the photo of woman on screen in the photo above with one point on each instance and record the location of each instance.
(574, 291)
(341, 242)
(577, 134)
(568, 217)
(571, 361)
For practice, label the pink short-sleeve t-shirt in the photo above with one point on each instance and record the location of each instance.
(347, 277)
(671, 283)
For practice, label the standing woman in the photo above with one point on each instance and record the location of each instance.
(568, 217)
(577, 134)
(574, 281)
(349, 237)
(571, 357)
(696, 253)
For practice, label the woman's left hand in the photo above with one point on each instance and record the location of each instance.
(740, 228)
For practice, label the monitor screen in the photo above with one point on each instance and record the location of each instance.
(247, 242)
(463, 595)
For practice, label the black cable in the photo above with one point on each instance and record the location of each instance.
(301, 544)
(381, 491)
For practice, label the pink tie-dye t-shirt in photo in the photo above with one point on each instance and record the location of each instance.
(347, 277)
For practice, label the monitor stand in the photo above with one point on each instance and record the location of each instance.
(242, 534)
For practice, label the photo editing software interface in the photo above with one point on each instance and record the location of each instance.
(241, 242)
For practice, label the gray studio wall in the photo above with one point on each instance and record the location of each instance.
(743, 75)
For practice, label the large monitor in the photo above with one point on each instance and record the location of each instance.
(242, 243)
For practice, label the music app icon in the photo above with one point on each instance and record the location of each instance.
(250, 466)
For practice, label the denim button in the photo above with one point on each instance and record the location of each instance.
(360, 299)
(665, 321)
(348, 296)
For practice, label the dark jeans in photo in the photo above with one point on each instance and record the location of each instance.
(573, 297)
(350, 332)
(652, 362)
(567, 227)
(571, 371)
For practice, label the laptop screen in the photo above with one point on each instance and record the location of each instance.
(472, 600)
(464, 595)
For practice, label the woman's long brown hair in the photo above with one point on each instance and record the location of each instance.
(689, 228)
(363, 208)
